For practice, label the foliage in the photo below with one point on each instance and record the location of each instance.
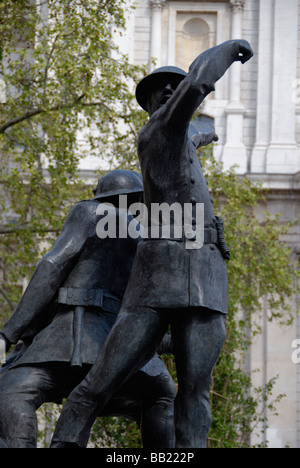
(108, 432)
(260, 272)
(112, 432)
(63, 81)
(260, 265)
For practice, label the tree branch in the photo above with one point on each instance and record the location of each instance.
(48, 61)
(11, 230)
(3, 293)
(25, 116)
(34, 112)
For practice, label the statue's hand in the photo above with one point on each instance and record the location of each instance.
(208, 138)
(244, 51)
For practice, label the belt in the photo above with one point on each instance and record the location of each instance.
(80, 298)
(89, 298)
(210, 237)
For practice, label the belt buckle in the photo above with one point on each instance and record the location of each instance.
(91, 296)
(95, 297)
(214, 236)
(62, 296)
(69, 296)
(99, 297)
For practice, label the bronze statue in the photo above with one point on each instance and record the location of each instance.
(64, 317)
(169, 283)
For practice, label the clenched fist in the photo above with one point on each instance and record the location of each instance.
(244, 51)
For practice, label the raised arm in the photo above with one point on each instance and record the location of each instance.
(203, 73)
(50, 273)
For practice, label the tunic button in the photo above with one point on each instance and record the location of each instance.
(193, 180)
(191, 160)
(193, 200)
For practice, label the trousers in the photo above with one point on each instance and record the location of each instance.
(147, 399)
(198, 336)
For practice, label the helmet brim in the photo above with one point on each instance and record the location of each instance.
(160, 77)
(114, 193)
(119, 182)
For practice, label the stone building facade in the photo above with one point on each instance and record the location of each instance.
(256, 109)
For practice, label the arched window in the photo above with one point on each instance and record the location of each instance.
(192, 38)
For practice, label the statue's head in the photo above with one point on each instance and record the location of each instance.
(119, 182)
(155, 89)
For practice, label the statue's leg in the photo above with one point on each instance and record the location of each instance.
(21, 393)
(157, 419)
(23, 390)
(148, 399)
(2, 444)
(130, 344)
(198, 337)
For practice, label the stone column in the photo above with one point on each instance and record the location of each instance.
(156, 30)
(234, 152)
(283, 154)
(264, 87)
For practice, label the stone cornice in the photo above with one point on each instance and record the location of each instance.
(277, 182)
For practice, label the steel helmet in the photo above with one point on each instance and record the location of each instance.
(158, 77)
(119, 182)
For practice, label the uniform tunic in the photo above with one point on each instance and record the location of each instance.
(165, 273)
(79, 260)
